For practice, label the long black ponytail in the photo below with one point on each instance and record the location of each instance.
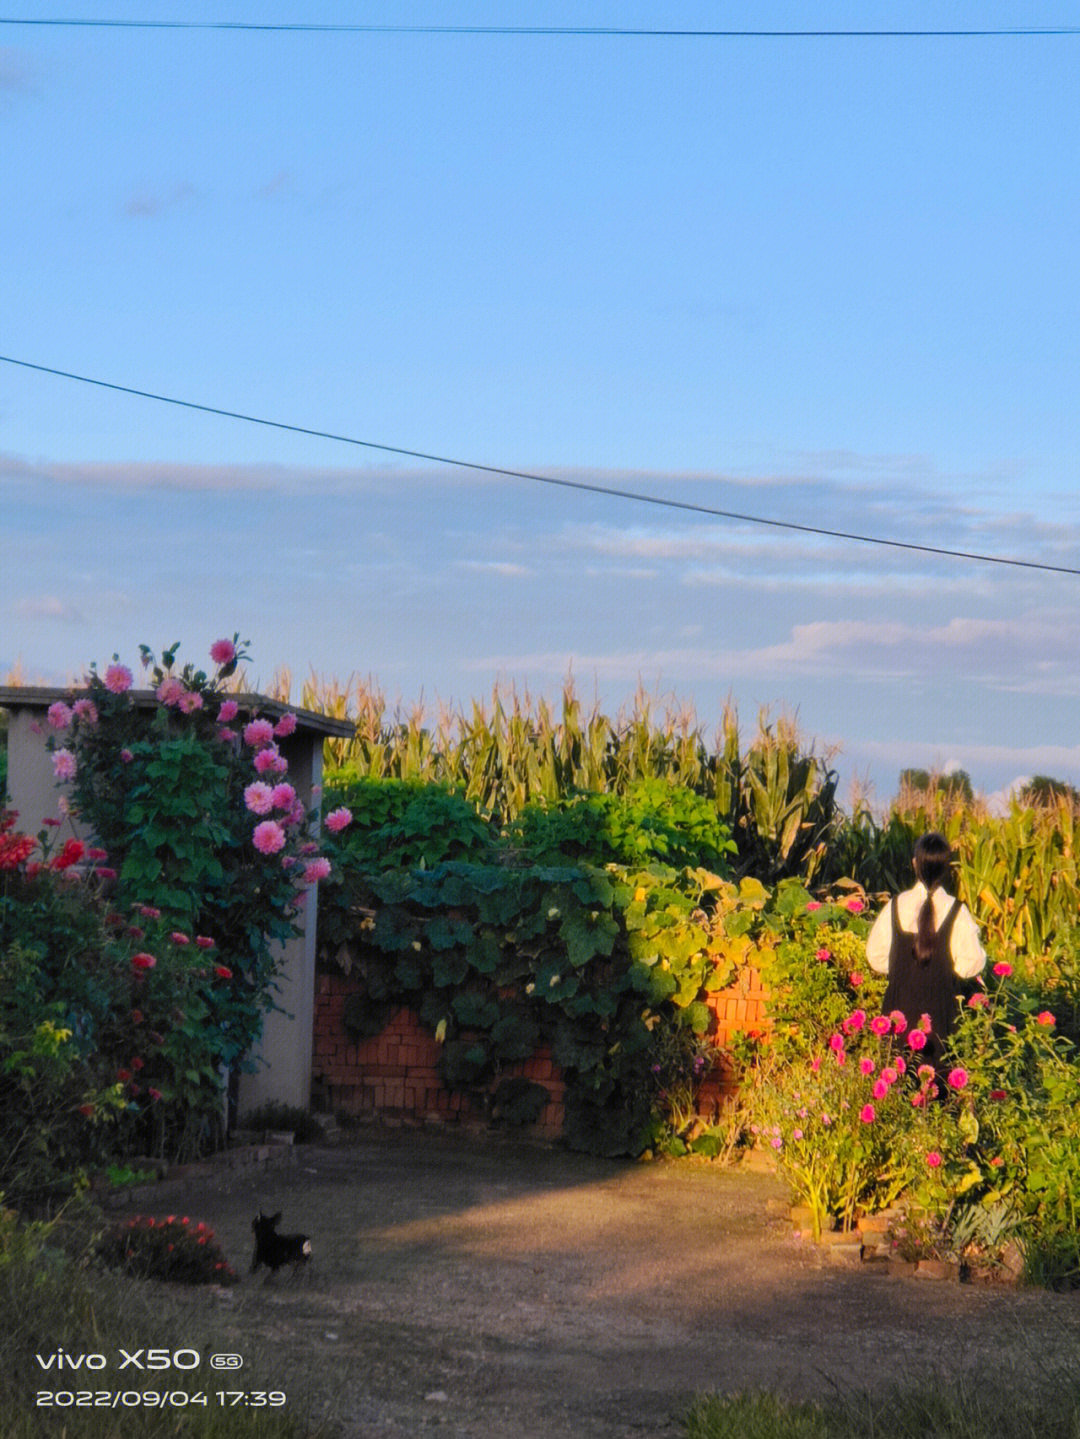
(932, 858)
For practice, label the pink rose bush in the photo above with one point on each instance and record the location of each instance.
(208, 845)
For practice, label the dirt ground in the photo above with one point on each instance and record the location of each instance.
(491, 1290)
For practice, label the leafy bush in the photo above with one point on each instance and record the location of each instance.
(170, 1248)
(654, 821)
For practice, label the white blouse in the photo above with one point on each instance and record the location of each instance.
(965, 949)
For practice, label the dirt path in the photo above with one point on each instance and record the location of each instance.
(497, 1291)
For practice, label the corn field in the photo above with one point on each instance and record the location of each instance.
(1018, 872)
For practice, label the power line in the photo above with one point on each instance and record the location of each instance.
(610, 492)
(576, 31)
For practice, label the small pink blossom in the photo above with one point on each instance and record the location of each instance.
(297, 814)
(126, 756)
(822, 954)
(925, 1071)
(900, 1064)
(918, 1100)
(796, 1134)
(228, 711)
(283, 796)
(143, 961)
(258, 733)
(338, 819)
(58, 715)
(86, 710)
(170, 691)
(933, 1159)
(815, 1063)
(286, 725)
(190, 701)
(812, 904)
(268, 837)
(204, 941)
(899, 1020)
(1044, 1017)
(315, 870)
(880, 1024)
(148, 911)
(223, 652)
(890, 1074)
(917, 1039)
(866, 1065)
(118, 678)
(64, 764)
(836, 1042)
(1002, 968)
(855, 906)
(855, 1020)
(958, 1078)
(856, 979)
(266, 762)
(178, 937)
(259, 798)
(881, 1089)
(925, 1023)
(977, 1000)
(868, 1114)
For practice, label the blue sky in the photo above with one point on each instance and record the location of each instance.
(825, 281)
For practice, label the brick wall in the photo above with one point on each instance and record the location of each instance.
(395, 1075)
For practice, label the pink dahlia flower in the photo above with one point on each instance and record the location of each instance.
(266, 761)
(315, 870)
(64, 764)
(228, 711)
(170, 691)
(881, 1089)
(118, 678)
(338, 819)
(268, 837)
(58, 715)
(86, 710)
(958, 1078)
(1044, 1017)
(933, 1159)
(223, 652)
(866, 1066)
(1002, 968)
(259, 798)
(917, 1039)
(283, 796)
(855, 906)
(868, 1114)
(286, 725)
(190, 701)
(880, 1024)
(258, 733)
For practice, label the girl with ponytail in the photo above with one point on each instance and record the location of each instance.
(925, 941)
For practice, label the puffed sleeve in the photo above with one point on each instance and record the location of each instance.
(965, 947)
(879, 942)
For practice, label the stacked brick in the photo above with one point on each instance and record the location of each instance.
(395, 1077)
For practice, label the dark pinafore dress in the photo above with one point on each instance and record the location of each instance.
(928, 986)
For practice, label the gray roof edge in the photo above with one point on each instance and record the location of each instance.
(42, 696)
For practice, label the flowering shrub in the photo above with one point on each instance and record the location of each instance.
(172, 1248)
(856, 1119)
(186, 898)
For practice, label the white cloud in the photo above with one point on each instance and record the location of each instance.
(47, 607)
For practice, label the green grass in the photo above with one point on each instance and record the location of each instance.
(937, 1409)
(53, 1297)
